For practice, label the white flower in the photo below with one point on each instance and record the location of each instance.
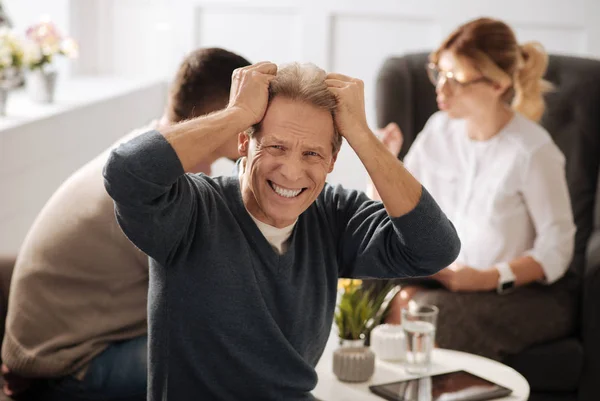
(4, 32)
(70, 48)
(33, 53)
(11, 50)
(50, 49)
(5, 60)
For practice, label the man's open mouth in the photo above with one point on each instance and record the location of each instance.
(285, 192)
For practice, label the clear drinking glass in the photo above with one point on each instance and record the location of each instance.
(419, 323)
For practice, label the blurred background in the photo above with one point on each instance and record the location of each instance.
(129, 49)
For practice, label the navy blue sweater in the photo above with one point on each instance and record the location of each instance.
(229, 318)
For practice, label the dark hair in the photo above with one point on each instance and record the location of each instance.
(492, 47)
(202, 83)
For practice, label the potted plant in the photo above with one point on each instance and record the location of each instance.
(11, 62)
(358, 311)
(43, 43)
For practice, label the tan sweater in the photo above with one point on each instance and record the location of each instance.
(78, 284)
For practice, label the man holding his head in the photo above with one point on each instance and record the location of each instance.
(244, 270)
(78, 302)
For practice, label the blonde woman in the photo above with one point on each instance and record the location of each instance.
(499, 177)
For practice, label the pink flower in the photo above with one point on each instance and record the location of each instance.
(45, 41)
(45, 34)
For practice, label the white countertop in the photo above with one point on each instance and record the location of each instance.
(70, 94)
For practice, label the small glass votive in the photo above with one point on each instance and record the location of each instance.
(388, 342)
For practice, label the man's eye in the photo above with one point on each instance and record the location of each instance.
(278, 147)
(312, 154)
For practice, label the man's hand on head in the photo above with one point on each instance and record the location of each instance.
(350, 116)
(200, 139)
(250, 90)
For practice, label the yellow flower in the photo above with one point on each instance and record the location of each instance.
(348, 284)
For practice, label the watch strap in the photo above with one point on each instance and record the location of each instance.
(506, 278)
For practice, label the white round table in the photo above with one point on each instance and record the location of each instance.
(329, 388)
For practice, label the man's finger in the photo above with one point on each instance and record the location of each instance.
(262, 75)
(340, 77)
(264, 78)
(251, 67)
(336, 83)
(256, 65)
(266, 67)
(335, 91)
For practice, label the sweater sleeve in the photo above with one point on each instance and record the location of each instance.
(153, 197)
(372, 244)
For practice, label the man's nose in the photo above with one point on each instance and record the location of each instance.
(292, 168)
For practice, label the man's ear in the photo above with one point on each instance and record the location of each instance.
(332, 163)
(243, 143)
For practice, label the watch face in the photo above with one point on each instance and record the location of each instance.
(507, 285)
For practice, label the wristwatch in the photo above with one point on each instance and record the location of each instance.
(506, 281)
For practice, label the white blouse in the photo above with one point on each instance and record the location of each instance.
(506, 196)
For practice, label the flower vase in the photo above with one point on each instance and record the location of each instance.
(3, 101)
(41, 85)
(10, 78)
(353, 361)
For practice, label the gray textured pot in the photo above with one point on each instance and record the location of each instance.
(353, 362)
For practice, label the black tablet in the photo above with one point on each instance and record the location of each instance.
(453, 386)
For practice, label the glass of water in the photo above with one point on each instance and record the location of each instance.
(419, 323)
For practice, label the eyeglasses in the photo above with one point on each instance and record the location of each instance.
(436, 75)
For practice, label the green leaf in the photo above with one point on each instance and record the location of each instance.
(359, 310)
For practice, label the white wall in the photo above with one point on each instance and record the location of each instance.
(27, 12)
(348, 36)
(149, 37)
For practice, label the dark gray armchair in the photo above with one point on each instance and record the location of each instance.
(569, 368)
